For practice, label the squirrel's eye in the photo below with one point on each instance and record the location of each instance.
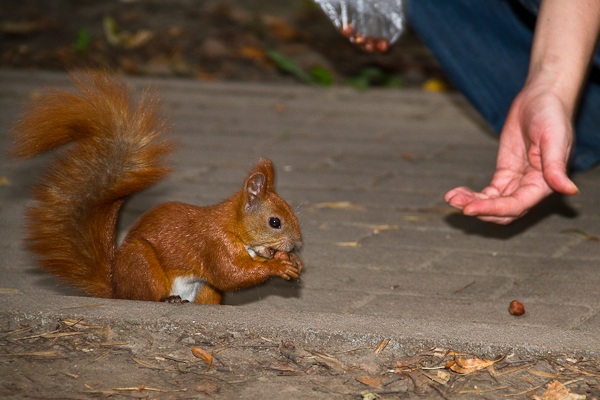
(275, 222)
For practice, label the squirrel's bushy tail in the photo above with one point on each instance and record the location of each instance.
(116, 151)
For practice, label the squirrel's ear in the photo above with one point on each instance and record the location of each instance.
(258, 182)
(265, 167)
(254, 190)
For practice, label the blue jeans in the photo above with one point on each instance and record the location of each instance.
(484, 47)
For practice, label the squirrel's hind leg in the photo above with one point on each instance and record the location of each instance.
(209, 295)
(137, 273)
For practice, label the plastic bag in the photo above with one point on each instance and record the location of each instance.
(371, 24)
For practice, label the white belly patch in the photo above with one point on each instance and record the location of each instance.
(186, 287)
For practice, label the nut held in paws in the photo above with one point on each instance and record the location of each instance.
(282, 255)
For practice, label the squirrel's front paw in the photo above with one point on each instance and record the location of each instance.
(282, 255)
(286, 269)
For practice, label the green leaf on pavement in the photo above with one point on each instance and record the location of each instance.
(288, 65)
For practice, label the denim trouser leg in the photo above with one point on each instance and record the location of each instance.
(484, 47)
(587, 125)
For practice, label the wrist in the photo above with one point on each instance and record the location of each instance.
(563, 43)
(548, 79)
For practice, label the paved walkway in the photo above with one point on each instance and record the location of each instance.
(398, 263)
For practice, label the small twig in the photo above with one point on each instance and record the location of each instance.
(142, 387)
(16, 332)
(151, 366)
(482, 390)
(49, 334)
(48, 353)
(523, 392)
(463, 288)
(353, 350)
(381, 346)
(84, 306)
(101, 356)
(572, 381)
(514, 369)
(440, 392)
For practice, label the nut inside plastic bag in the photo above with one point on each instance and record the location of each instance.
(371, 24)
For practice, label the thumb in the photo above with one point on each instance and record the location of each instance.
(554, 169)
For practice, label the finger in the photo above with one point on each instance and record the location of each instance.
(296, 261)
(513, 206)
(462, 196)
(554, 169)
(292, 273)
(554, 156)
(555, 175)
(459, 201)
(498, 220)
(462, 190)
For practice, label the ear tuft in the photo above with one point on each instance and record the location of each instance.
(254, 189)
(265, 167)
(255, 184)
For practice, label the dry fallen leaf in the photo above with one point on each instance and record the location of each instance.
(282, 367)
(402, 366)
(408, 156)
(20, 27)
(468, 365)
(434, 85)
(125, 40)
(543, 374)
(581, 234)
(253, 53)
(203, 355)
(347, 244)
(379, 228)
(441, 377)
(368, 368)
(280, 108)
(280, 29)
(373, 382)
(207, 388)
(558, 391)
(341, 205)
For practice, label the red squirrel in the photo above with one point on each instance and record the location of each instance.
(174, 252)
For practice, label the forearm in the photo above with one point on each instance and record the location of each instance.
(564, 42)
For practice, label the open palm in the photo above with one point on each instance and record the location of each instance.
(535, 144)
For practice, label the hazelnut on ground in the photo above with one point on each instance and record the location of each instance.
(516, 308)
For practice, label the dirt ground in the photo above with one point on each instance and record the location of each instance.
(266, 41)
(79, 360)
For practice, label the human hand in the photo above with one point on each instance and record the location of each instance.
(537, 136)
(535, 144)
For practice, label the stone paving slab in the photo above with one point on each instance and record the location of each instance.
(403, 265)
